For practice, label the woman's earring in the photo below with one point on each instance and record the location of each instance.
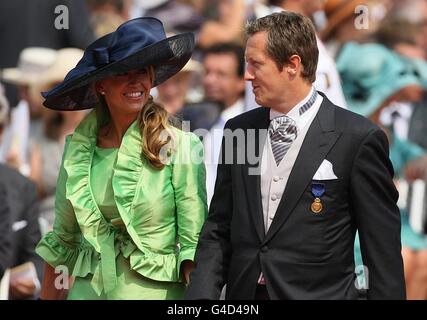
(103, 93)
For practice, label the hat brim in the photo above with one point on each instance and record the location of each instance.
(167, 56)
(17, 77)
(382, 93)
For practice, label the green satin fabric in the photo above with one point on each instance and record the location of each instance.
(130, 286)
(104, 160)
(159, 215)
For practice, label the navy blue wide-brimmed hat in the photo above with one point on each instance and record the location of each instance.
(136, 44)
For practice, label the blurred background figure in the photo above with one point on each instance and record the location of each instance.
(409, 120)
(175, 93)
(28, 23)
(224, 85)
(226, 25)
(400, 35)
(19, 223)
(341, 18)
(5, 224)
(107, 15)
(382, 79)
(414, 11)
(222, 81)
(46, 151)
(5, 245)
(178, 16)
(32, 62)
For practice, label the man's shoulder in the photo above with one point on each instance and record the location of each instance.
(350, 122)
(347, 121)
(248, 118)
(12, 179)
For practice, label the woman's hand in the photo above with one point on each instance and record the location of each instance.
(14, 160)
(187, 266)
(22, 289)
(416, 169)
(49, 291)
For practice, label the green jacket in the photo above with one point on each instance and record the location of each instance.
(162, 211)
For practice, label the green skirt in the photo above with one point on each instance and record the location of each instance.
(130, 286)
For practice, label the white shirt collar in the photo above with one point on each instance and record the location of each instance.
(294, 112)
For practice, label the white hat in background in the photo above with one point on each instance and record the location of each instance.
(66, 59)
(192, 66)
(32, 61)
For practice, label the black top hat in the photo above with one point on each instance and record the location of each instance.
(136, 44)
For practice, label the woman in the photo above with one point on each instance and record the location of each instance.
(130, 202)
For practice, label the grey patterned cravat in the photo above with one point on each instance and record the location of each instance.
(283, 131)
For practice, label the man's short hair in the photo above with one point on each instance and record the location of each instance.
(229, 48)
(288, 34)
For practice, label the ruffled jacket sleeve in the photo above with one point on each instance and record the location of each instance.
(63, 245)
(188, 180)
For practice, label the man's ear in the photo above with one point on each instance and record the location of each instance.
(293, 67)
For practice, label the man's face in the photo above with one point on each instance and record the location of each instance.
(268, 82)
(221, 81)
(175, 86)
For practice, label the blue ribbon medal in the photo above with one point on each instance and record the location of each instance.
(317, 189)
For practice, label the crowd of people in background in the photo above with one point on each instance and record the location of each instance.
(372, 60)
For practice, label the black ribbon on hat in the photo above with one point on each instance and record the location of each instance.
(101, 56)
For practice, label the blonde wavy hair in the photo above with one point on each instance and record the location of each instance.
(155, 125)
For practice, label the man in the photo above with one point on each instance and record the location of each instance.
(283, 227)
(327, 77)
(224, 85)
(19, 222)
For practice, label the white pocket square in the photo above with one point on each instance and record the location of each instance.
(325, 172)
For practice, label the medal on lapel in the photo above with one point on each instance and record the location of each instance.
(317, 189)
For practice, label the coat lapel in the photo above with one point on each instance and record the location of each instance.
(319, 140)
(252, 182)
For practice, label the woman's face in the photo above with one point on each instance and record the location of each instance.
(126, 93)
(175, 86)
